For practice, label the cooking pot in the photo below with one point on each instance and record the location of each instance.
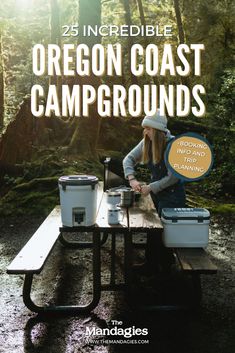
(113, 197)
(122, 196)
(127, 197)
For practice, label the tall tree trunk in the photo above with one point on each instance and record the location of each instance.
(128, 21)
(143, 23)
(89, 14)
(184, 80)
(85, 138)
(16, 143)
(141, 11)
(55, 39)
(55, 22)
(1, 86)
(179, 22)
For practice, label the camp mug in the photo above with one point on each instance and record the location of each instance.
(115, 215)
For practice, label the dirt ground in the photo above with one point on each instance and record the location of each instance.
(66, 278)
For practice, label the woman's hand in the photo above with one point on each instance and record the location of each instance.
(145, 190)
(135, 185)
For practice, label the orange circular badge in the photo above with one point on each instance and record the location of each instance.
(189, 156)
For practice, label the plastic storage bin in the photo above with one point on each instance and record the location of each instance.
(78, 200)
(185, 227)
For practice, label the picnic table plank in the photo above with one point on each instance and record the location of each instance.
(33, 255)
(195, 259)
(141, 219)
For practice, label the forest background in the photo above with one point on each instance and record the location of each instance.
(35, 152)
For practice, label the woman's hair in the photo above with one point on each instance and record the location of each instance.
(154, 149)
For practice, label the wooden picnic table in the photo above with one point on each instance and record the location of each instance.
(142, 217)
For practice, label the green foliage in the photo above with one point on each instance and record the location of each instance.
(8, 180)
(222, 178)
(24, 24)
(213, 24)
(223, 207)
(224, 102)
(32, 202)
(36, 191)
(226, 208)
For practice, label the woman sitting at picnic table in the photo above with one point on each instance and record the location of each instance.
(165, 189)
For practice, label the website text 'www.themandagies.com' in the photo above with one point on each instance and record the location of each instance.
(106, 341)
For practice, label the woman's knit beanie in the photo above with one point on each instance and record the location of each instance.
(156, 121)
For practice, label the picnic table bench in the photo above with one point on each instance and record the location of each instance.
(33, 256)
